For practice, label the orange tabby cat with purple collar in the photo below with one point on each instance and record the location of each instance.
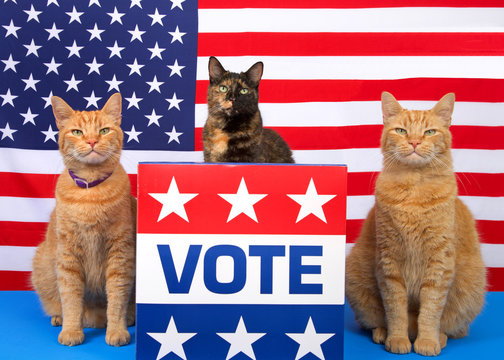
(416, 271)
(84, 270)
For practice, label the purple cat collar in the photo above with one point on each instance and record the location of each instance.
(80, 182)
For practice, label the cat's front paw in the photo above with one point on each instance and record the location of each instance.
(56, 320)
(117, 337)
(71, 337)
(379, 335)
(427, 347)
(398, 344)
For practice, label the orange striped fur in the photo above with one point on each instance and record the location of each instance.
(84, 270)
(416, 271)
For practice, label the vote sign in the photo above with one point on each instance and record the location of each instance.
(240, 261)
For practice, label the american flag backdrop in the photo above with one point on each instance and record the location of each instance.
(326, 64)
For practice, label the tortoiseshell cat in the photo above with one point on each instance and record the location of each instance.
(84, 270)
(416, 271)
(234, 130)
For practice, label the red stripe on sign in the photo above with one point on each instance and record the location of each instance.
(22, 233)
(15, 280)
(430, 89)
(350, 44)
(495, 279)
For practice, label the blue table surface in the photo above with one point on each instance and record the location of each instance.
(26, 333)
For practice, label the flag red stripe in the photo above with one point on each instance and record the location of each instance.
(350, 44)
(22, 233)
(430, 89)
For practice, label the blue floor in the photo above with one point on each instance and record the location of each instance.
(26, 333)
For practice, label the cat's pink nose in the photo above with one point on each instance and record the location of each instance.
(414, 143)
(92, 142)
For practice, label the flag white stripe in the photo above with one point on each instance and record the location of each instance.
(418, 19)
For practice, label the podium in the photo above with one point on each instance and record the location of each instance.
(240, 261)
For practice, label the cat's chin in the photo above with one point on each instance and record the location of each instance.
(93, 158)
(415, 159)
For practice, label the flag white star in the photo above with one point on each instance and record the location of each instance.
(156, 51)
(33, 14)
(29, 117)
(32, 48)
(95, 33)
(53, 32)
(174, 135)
(115, 16)
(174, 102)
(50, 134)
(94, 2)
(11, 29)
(10, 63)
(47, 100)
(157, 18)
(72, 83)
(7, 132)
(74, 49)
(30, 83)
(136, 3)
(114, 83)
(176, 35)
(94, 67)
(153, 118)
(177, 3)
(155, 84)
(52, 66)
(133, 101)
(135, 67)
(310, 341)
(92, 100)
(115, 50)
(136, 34)
(175, 68)
(8, 98)
(173, 201)
(55, 2)
(133, 134)
(242, 202)
(241, 341)
(171, 341)
(74, 15)
(311, 202)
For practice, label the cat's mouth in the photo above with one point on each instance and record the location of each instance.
(94, 157)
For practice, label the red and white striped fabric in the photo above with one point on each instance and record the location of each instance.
(326, 64)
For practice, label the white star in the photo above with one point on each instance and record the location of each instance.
(114, 83)
(133, 134)
(8, 98)
(311, 202)
(115, 16)
(32, 48)
(171, 341)
(242, 202)
(52, 66)
(92, 100)
(33, 14)
(29, 117)
(74, 15)
(47, 100)
(153, 118)
(241, 341)
(115, 50)
(94, 67)
(7, 132)
(154, 84)
(11, 29)
(175, 68)
(177, 3)
(50, 134)
(72, 83)
(174, 135)
(133, 101)
(135, 67)
(157, 18)
(156, 51)
(176, 35)
(310, 341)
(173, 201)
(55, 2)
(53, 32)
(30, 83)
(174, 102)
(136, 3)
(10, 64)
(136, 34)
(94, 2)
(95, 32)
(74, 49)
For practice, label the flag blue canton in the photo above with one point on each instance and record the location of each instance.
(84, 52)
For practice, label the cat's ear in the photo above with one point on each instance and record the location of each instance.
(255, 72)
(113, 107)
(444, 108)
(61, 110)
(390, 106)
(215, 69)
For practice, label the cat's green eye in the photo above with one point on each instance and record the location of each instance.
(104, 131)
(223, 89)
(401, 131)
(244, 91)
(430, 132)
(77, 132)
